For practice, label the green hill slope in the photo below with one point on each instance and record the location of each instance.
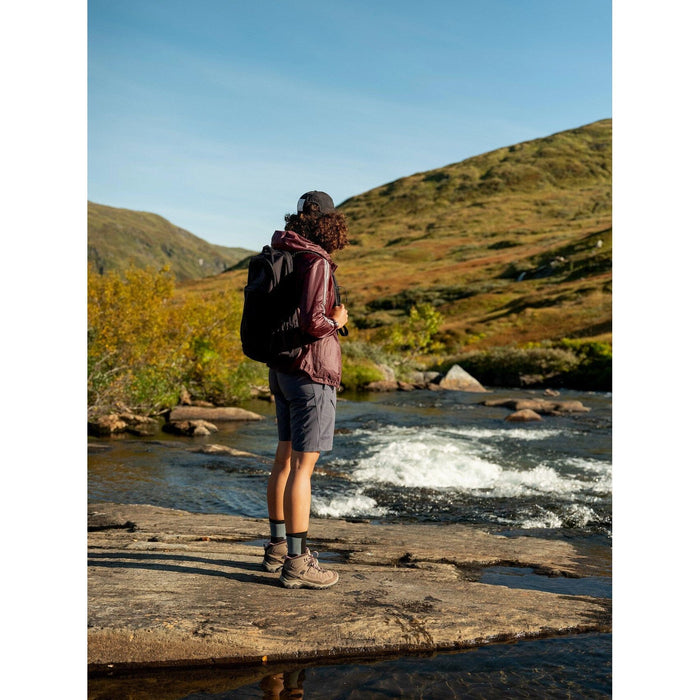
(118, 238)
(514, 245)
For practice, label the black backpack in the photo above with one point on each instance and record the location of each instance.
(270, 330)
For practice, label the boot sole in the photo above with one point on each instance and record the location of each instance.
(272, 568)
(298, 583)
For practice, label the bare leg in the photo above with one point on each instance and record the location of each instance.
(297, 493)
(278, 481)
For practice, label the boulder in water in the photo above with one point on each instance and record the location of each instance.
(458, 379)
(220, 413)
(383, 385)
(227, 451)
(124, 422)
(193, 428)
(541, 406)
(523, 416)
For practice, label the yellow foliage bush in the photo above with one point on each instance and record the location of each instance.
(145, 345)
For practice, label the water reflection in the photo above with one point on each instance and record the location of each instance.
(579, 666)
(279, 686)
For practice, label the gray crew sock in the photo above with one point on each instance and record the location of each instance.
(296, 543)
(277, 531)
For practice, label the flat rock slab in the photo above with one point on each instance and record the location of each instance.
(171, 588)
(544, 406)
(212, 414)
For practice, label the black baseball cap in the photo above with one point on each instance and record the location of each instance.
(321, 199)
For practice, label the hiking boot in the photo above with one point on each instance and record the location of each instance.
(275, 552)
(304, 572)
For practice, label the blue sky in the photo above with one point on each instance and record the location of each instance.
(218, 114)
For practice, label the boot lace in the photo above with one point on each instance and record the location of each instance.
(313, 564)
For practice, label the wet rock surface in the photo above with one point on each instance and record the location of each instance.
(541, 406)
(212, 414)
(171, 588)
(458, 379)
(125, 422)
(524, 415)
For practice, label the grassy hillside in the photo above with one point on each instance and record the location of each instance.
(514, 245)
(118, 238)
(511, 246)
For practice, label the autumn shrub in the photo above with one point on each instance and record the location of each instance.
(145, 346)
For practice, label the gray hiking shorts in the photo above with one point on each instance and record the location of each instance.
(305, 411)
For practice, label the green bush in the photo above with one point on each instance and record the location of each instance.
(574, 364)
(358, 373)
(416, 336)
(594, 371)
(512, 366)
(361, 350)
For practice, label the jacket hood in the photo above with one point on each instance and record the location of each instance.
(294, 242)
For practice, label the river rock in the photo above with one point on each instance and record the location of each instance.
(387, 372)
(194, 428)
(115, 423)
(383, 385)
(169, 588)
(106, 425)
(542, 406)
(523, 416)
(261, 392)
(215, 414)
(227, 451)
(458, 379)
(422, 380)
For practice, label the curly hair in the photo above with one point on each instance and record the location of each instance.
(330, 231)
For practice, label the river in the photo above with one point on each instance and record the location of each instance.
(413, 456)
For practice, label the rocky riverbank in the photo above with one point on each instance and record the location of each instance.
(170, 588)
(200, 419)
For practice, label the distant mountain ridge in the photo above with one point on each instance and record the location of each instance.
(119, 238)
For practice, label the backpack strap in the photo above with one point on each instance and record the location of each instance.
(344, 330)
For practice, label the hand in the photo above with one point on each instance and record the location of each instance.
(340, 315)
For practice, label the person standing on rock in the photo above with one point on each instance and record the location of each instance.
(304, 389)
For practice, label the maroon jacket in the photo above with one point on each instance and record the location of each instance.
(313, 266)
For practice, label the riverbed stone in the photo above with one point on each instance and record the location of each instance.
(541, 406)
(383, 385)
(194, 428)
(458, 379)
(124, 422)
(106, 425)
(226, 450)
(523, 416)
(171, 588)
(212, 414)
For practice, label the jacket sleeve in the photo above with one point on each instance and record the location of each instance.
(317, 300)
